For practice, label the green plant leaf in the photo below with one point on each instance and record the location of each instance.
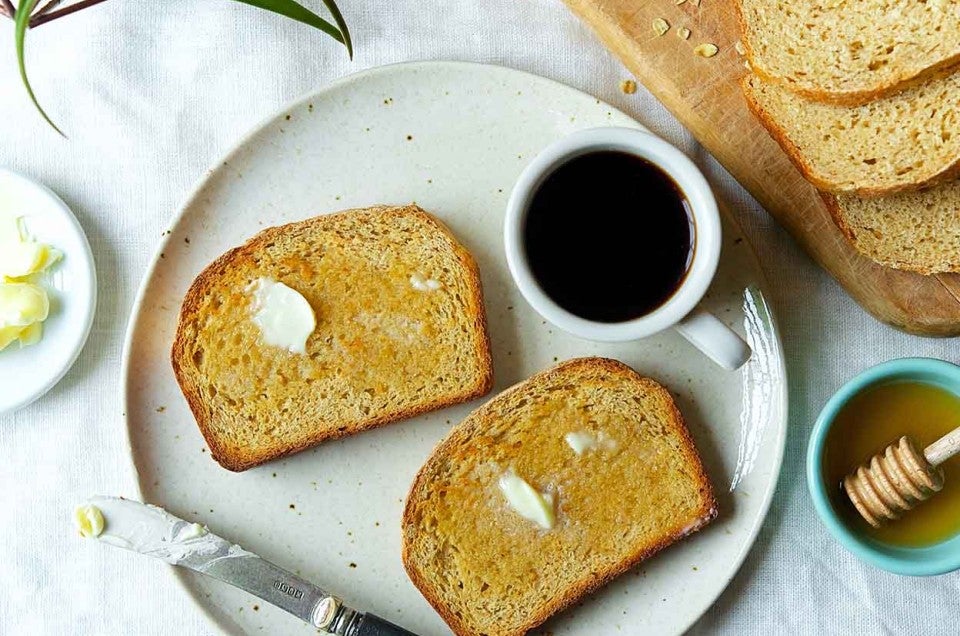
(341, 24)
(298, 12)
(24, 9)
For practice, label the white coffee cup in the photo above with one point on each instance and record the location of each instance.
(702, 329)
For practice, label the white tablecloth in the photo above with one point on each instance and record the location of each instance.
(151, 93)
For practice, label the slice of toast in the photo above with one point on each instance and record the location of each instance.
(850, 52)
(400, 330)
(637, 488)
(913, 231)
(891, 145)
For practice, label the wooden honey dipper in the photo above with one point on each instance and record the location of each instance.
(896, 480)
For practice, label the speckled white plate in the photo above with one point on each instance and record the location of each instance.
(452, 137)
(28, 373)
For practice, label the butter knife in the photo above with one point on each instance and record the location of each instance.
(153, 531)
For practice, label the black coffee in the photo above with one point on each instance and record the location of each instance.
(608, 236)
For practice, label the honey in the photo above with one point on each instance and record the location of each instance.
(870, 422)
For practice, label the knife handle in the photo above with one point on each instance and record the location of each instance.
(371, 625)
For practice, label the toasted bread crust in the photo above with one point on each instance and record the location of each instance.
(448, 447)
(240, 461)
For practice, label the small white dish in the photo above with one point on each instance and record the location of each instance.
(28, 373)
(700, 327)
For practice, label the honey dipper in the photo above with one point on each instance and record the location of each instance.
(896, 480)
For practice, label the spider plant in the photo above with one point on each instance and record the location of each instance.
(29, 14)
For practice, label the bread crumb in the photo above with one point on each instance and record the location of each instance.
(683, 33)
(696, 3)
(629, 87)
(706, 50)
(738, 47)
(660, 26)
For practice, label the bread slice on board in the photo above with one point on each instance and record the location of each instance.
(490, 571)
(914, 231)
(850, 52)
(895, 144)
(384, 348)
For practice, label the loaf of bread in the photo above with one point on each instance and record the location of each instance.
(400, 330)
(618, 476)
(852, 52)
(895, 144)
(914, 231)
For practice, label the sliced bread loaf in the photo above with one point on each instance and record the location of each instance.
(914, 231)
(849, 52)
(601, 455)
(894, 144)
(400, 330)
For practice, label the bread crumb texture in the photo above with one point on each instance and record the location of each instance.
(850, 51)
(381, 350)
(660, 26)
(914, 231)
(890, 145)
(487, 570)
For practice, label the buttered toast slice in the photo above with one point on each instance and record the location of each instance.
(549, 491)
(399, 330)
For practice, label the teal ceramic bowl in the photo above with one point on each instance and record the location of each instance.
(940, 558)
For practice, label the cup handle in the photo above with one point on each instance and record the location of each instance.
(720, 343)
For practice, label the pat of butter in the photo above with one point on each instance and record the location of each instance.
(89, 521)
(26, 335)
(421, 283)
(24, 304)
(526, 501)
(19, 255)
(284, 316)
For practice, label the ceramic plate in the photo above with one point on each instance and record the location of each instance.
(28, 373)
(453, 137)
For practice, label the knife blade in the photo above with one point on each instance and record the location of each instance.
(153, 531)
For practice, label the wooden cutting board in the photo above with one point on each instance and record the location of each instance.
(703, 94)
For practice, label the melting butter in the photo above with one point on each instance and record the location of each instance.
(421, 283)
(582, 441)
(526, 501)
(284, 316)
